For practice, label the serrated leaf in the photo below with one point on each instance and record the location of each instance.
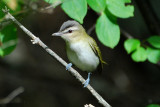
(107, 30)
(76, 9)
(97, 5)
(118, 8)
(153, 55)
(154, 41)
(140, 55)
(153, 105)
(8, 40)
(131, 44)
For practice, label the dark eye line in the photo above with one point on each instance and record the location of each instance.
(70, 31)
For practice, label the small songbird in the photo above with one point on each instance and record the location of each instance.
(82, 49)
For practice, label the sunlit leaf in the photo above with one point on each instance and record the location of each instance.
(76, 9)
(131, 44)
(119, 8)
(140, 55)
(107, 30)
(97, 5)
(153, 55)
(154, 41)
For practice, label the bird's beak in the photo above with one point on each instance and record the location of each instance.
(57, 34)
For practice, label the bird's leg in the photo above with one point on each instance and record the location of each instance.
(68, 66)
(87, 80)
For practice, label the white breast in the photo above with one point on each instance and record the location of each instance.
(81, 55)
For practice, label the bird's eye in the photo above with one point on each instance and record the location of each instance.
(70, 31)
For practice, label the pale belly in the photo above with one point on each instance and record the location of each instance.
(83, 57)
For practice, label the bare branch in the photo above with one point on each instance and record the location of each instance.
(12, 95)
(36, 40)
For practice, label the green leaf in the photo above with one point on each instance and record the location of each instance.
(118, 8)
(153, 55)
(107, 30)
(153, 105)
(131, 44)
(140, 55)
(76, 9)
(97, 5)
(154, 41)
(2, 5)
(52, 1)
(8, 40)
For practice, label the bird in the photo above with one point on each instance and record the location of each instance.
(82, 50)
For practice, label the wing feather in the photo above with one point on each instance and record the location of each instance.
(96, 50)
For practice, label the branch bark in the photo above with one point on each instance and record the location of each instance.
(12, 95)
(36, 40)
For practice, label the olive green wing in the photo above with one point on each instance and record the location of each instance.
(96, 50)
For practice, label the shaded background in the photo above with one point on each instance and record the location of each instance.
(123, 83)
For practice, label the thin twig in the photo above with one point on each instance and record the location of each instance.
(89, 31)
(126, 34)
(5, 22)
(12, 95)
(51, 6)
(36, 40)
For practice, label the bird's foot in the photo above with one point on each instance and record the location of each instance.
(68, 66)
(87, 81)
(35, 40)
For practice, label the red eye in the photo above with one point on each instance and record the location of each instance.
(70, 31)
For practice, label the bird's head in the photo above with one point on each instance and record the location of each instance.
(71, 31)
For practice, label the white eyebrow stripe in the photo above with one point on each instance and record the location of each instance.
(72, 28)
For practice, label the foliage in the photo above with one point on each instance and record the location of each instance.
(107, 29)
(141, 54)
(154, 41)
(76, 9)
(153, 105)
(8, 34)
(153, 55)
(97, 5)
(118, 8)
(8, 39)
(109, 36)
(131, 44)
(51, 1)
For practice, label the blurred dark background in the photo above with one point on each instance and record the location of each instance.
(123, 82)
